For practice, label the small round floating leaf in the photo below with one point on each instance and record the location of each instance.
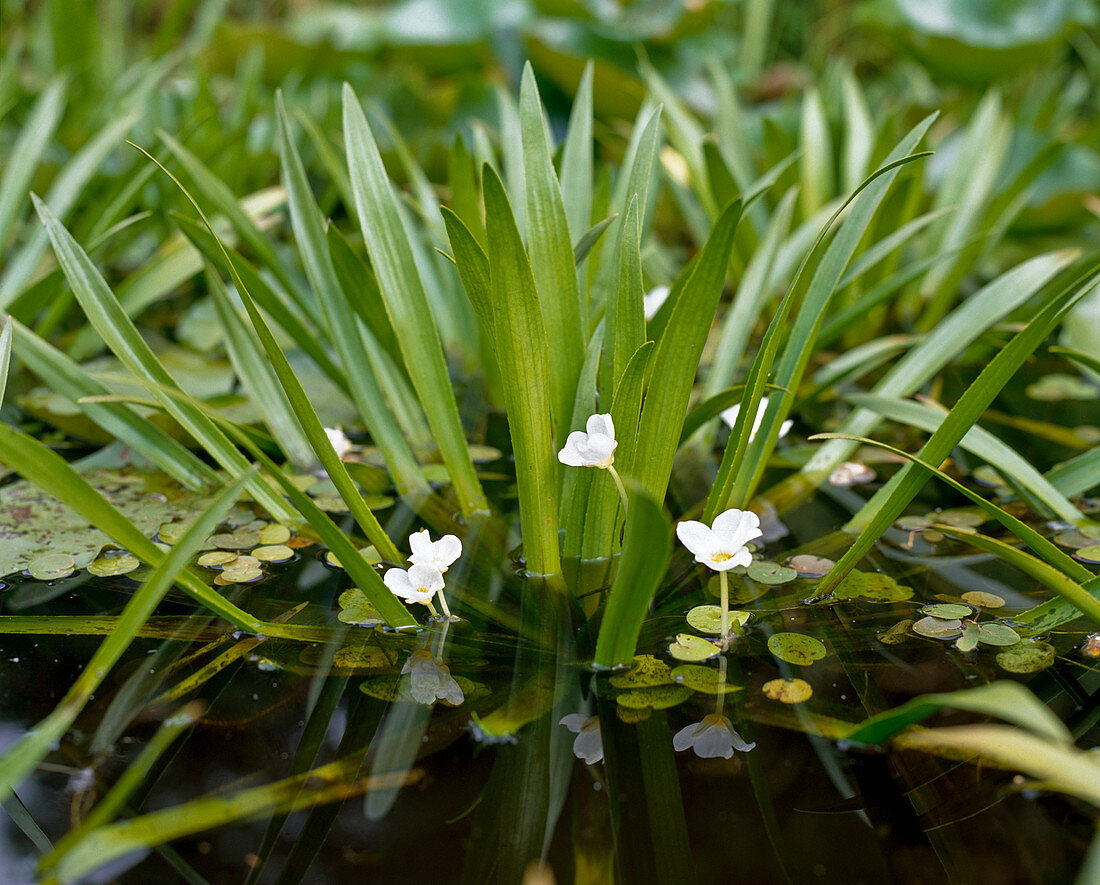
(708, 619)
(770, 573)
(273, 553)
(646, 672)
(704, 679)
(897, 634)
(962, 517)
(657, 697)
(947, 611)
(217, 559)
(370, 554)
(1090, 554)
(331, 503)
(997, 634)
(687, 647)
(52, 566)
(1090, 531)
(914, 523)
(1074, 540)
(796, 648)
(1026, 657)
(110, 566)
(274, 534)
(969, 639)
(171, 532)
(238, 540)
(811, 566)
(981, 599)
(788, 691)
(938, 628)
(356, 609)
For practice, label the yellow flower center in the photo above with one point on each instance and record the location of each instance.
(722, 557)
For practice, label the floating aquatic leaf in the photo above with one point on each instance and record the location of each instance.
(171, 532)
(811, 566)
(274, 534)
(914, 523)
(796, 648)
(241, 539)
(1074, 540)
(947, 611)
(361, 657)
(647, 671)
(704, 679)
(896, 634)
(938, 628)
(981, 599)
(1090, 554)
(872, 586)
(217, 559)
(52, 566)
(356, 609)
(788, 691)
(370, 553)
(1058, 387)
(961, 517)
(110, 566)
(242, 570)
(273, 553)
(997, 634)
(969, 639)
(771, 572)
(708, 619)
(687, 647)
(657, 697)
(1029, 656)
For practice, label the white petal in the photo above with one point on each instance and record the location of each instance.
(737, 527)
(426, 578)
(599, 451)
(397, 579)
(785, 428)
(571, 453)
(685, 737)
(742, 557)
(695, 536)
(573, 721)
(447, 550)
(730, 415)
(653, 299)
(589, 745)
(421, 545)
(338, 440)
(712, 742)
(600, 424)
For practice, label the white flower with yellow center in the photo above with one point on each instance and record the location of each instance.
(417, 584)
(596, 448)
(722, 546)
(439, 554)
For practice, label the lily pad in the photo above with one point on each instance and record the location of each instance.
(704, 679)
(811, 566)
(370, 554)
(273, 553)
(788, 691)
(646, 672)
(969, 640)
(947, 611)
(657, 697)
(872, 586)
(770, 573)
(897, 634)
(1029, 656)
(1074, 540)
(1090, 554)
(242, 539)
(217, 559)
(687, 647)
(981, 599)
(708, 619)
(997, 634)
(51, 566)
(356, 609)
(938, 628)
(796, 648)
(274, 534)
(110, 566)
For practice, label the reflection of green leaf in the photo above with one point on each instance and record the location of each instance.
(872, 586)
(356, 609)
(360, 657)
(796, 648)
(1029, 656)
(646, 672)
(704, 679)
(658, 697)
(692, 648)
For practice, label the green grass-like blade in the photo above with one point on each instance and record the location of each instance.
(889, 501)
(815, 160)
(406, 302)
(624, 318)
(19, 760)
(646, 551)
(576, 158)
(112, 324)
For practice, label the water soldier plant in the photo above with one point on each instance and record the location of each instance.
(464, 342)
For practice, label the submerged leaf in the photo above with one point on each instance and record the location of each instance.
(704, 679)
(657, 697)
(796, 648)
(788, 691)
(1029, 656)
(872, 586)
(647, 671)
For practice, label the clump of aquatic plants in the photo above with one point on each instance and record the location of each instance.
(526, 295)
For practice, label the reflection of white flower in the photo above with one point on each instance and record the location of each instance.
(712, 737)
(430, 680)
(339, 440)
(589, 743)
(419, 584)
(439, 554)
(851, 473)
(653, 299)
(723, 546)
(596, 448)
(730, 417)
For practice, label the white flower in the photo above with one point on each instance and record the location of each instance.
(440, 554)
(339, 441)
(723, 546)
(730, 417)
(596, 448)
(653, 299)
(712, 737)
(419, 584)
(589, 743)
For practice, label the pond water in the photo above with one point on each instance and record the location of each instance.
(471, 787)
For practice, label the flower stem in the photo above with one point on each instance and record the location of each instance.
(431, 609)
(443, 604)
(723, 583)
(619, 483)
(721, 702)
